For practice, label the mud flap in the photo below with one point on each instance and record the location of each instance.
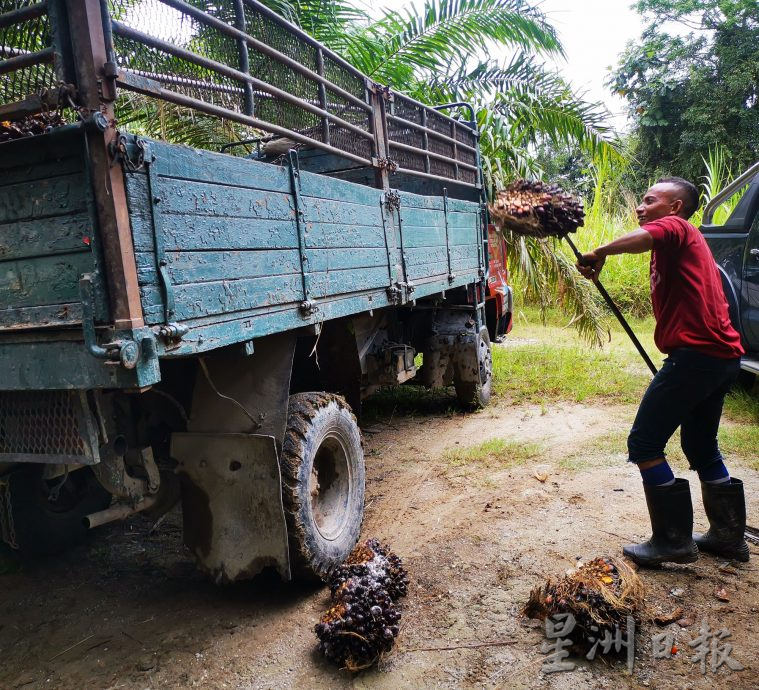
(234, 522)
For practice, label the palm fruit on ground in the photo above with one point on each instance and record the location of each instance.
(364, 619)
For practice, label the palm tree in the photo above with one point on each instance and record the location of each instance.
(437, 53)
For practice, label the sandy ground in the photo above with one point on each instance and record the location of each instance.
(128, 609)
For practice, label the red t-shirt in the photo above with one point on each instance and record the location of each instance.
(686, 292)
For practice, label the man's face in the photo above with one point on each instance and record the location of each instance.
(659, 201)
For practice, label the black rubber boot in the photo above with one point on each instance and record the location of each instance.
(725, 507)
(671, 513)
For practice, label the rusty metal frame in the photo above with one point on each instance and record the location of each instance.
(96, 93)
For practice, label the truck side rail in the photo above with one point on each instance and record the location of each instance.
(234, 59)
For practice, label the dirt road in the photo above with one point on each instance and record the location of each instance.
(128, 610)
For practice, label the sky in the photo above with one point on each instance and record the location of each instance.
(593, 33)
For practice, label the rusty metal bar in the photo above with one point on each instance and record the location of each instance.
(127, 32)
(242, 46)
(455, 151)
(438, 178)
(186, 81)
(425, 141)
(46, 55)
(426, 130)
(322, 93)
(149, 88)
(431, 154)
(379, 130)
(96, 93)
(302, 35)
(265, 49)
(23, 14)
(118, 512)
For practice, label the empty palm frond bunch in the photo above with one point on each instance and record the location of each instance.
(537, 209)
(600, 595)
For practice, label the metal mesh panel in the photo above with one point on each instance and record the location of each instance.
(188, 52)
(449, 141)
(41, 423)
(22, 38)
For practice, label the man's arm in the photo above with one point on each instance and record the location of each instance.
(635, 242)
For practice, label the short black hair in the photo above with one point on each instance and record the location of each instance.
(690, 195)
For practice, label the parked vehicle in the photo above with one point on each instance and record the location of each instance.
(176, 321)
(499, 302)
(735, 246)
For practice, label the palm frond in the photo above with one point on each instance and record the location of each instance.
(428, 38)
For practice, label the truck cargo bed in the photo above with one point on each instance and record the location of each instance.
(227, 250)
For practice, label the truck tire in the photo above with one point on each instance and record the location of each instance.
(45, 527)
(322, 483)
(476, 394)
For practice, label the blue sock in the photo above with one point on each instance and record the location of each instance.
(716, 473)
(658, 475)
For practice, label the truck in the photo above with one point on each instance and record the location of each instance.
(181, 324)
(735, 246)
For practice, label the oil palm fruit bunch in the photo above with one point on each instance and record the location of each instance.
(30, 126)
(600, 594)
(537, 209)
(364, 618)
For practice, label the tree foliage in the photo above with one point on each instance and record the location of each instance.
(690, 94)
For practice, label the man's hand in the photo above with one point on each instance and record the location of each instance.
(590, 265)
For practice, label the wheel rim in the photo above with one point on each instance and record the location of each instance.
(485, 362)
(330, 486)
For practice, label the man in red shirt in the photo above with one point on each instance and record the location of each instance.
(703, 360)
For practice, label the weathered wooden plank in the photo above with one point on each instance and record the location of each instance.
(197, 267)
(432, 269)
(50, 197)
(329, 283)
(341, 236)
(340, 212)
(419, 201)
(207, 334)
(26, 171)
(347, 258)
(223, 296)
(323, 187)
(205, 166)
(415, 236)
(46, 280)
(421, 255)
(203, 198)
(41, 317)
(51, 235)
(431, 218)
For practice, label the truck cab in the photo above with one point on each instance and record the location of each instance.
(735, 245)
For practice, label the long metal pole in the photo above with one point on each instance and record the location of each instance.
(615, 311)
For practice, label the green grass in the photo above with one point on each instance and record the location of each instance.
(740, 441)
(495, 453)
(549, 362)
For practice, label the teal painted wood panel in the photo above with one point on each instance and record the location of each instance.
(223, 297)
(30, 166)
(46, 280)
(199, 267)
(185, 163)
(46, 232)
(325, 260)
(48, 198)
(52, 235)
(230, 239)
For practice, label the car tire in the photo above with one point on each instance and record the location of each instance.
(323, 479)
